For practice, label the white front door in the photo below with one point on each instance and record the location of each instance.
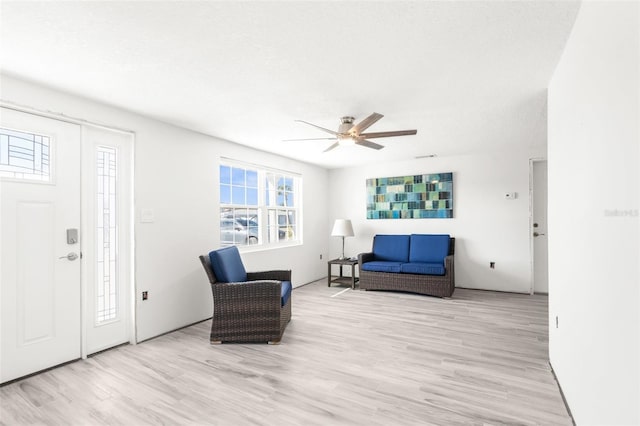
(539, 228)
(40, 251)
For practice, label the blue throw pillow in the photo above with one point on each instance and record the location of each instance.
(227, 265)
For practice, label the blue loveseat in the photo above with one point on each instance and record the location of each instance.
(417, 263)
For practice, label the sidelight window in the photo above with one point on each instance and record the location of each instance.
(106, 235)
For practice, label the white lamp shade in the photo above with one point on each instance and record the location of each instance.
(342, 228)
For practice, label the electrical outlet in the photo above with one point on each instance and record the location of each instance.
(556, 321)
(145, 295)
(320, 257)
(492, 265)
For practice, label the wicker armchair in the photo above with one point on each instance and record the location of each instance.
(254, 309)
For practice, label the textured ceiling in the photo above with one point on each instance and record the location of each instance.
(470, 76)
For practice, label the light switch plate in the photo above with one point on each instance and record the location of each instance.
(147, 216)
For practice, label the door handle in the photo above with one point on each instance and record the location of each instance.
(71, 256)
(537, 234)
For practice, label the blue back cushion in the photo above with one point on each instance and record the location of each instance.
(391, 248)
(431, 248)
(227, 265)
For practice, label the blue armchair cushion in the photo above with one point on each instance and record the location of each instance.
(285, 292)
(423, 268)
(430, 248)
(227, 265)
(381, 266)
(391, 248)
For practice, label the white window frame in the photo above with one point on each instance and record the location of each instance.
(267, 241)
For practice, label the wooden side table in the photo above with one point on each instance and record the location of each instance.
(342, 279)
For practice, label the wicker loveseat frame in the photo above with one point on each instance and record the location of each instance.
(249, 311)
(432, 285)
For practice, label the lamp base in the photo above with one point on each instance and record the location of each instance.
(343, 257)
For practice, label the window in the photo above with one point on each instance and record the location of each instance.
(258, 206)
(24, 155)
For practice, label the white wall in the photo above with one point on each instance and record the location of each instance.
(176, 175)
(487, 227)
(593, 216)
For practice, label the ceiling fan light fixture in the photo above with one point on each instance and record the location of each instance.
(346, 140)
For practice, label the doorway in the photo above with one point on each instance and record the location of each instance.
(53, 277)
(538, 227)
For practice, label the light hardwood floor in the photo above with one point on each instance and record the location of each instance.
(361, 358)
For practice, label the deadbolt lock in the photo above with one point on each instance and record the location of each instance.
(72, 236)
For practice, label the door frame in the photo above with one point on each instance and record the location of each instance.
(130, 209)
(531, 238)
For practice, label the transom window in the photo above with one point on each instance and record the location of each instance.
(258, 206)
(24, 156)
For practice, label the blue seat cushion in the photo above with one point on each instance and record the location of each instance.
(391, 248)
(285, 292)
(227, 265)
(381, 266)
(429, 248)
(422, 268)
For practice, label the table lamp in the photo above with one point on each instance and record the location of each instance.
(342, 228)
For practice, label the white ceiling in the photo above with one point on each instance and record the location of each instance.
(469, 76)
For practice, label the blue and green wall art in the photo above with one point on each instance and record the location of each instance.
(427, 196)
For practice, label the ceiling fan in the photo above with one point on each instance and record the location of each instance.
(350, 134)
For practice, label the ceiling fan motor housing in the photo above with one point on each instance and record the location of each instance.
(346, 124)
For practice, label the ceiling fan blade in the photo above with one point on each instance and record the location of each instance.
(388, 134)
(335, 145)
(368, 144)
(365, 124)
(318, 127)
(311, 139)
